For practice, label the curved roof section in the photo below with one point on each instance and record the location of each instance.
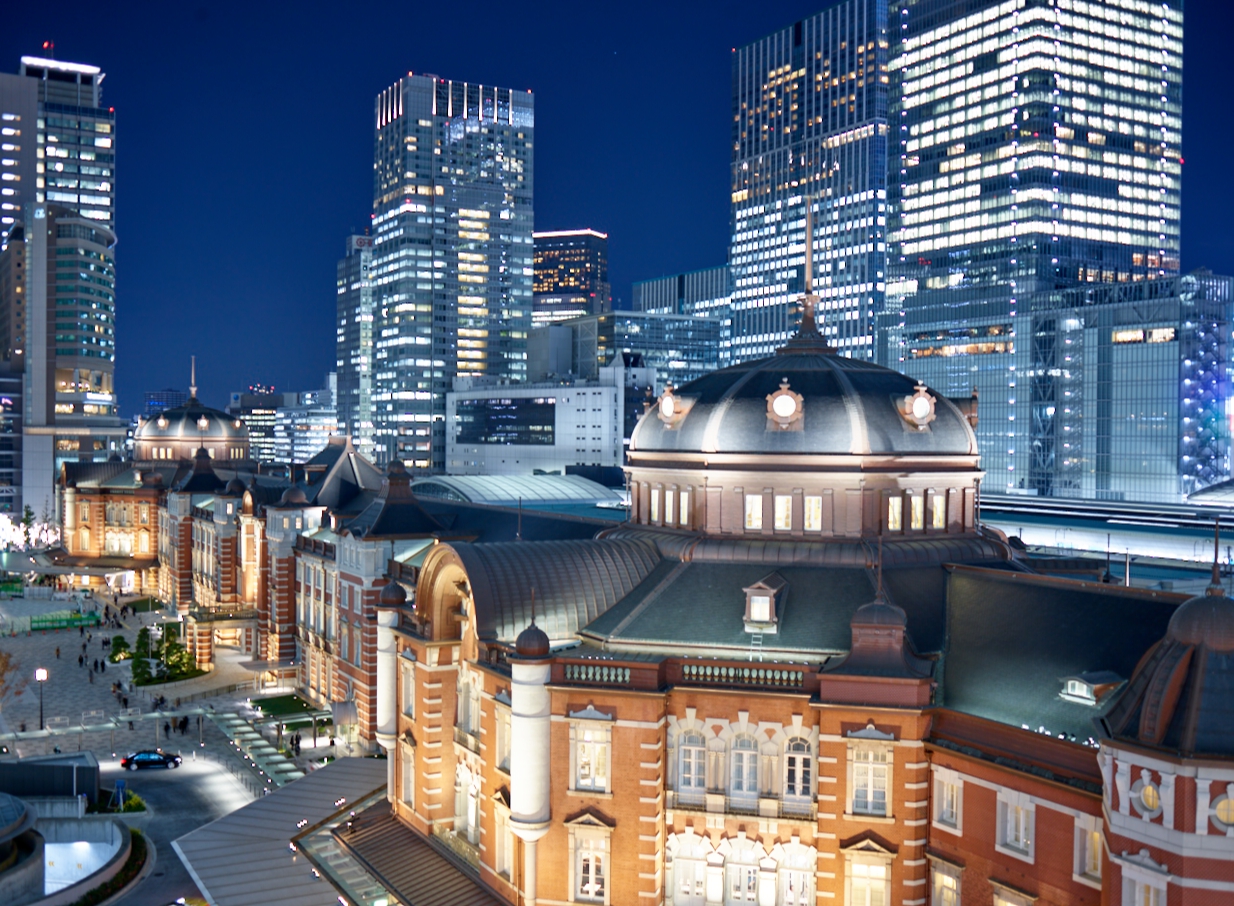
(567, 583)
(192, 421)
(848, 407)
(507, 490)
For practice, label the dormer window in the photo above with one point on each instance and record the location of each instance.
(1089, 688)
(764, 599)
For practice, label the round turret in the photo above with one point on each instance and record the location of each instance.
(392, 595)
(532, 642)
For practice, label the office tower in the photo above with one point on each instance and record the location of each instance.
(158, 400)
(704, 294)
(679, 347)
(1036, 149)
(452, 252)
(571, 275)
(810, 127)
(13, 293)
(57, 181)
(354, 360)
(258, 409)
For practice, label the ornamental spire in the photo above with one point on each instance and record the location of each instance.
(193, 379)
(808, 339)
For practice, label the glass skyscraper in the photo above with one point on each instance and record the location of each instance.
(702, 294)
(452, 261)
(810, 127)
(354, 343)
(1036, 150)
(571, 275)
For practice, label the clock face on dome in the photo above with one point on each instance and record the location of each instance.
(784, 409)
(918, 409)
(667, 406)
(784, 405)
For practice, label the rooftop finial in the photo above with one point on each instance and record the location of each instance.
(1215, 588)
(808, 340)
(193, 378)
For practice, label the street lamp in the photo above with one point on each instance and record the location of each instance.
(40, 677)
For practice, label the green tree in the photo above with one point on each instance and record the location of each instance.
(27, 525)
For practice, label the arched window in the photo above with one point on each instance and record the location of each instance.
(745, 768)
(741, 875)
(798, 778)
(691, 774)
(689, 865)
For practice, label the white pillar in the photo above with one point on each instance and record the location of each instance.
(387, 693)
(530, 726)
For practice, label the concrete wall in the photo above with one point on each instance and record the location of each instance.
(23, 883)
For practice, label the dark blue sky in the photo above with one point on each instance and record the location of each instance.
(244, 139)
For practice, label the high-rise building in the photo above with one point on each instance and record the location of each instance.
(679, 347)
(571, 275)
(452, 252)
(1035, 172)
(258, 409)
(354, 361)
(57, 182)
(810, 127)
(704, 294)
(158, 400)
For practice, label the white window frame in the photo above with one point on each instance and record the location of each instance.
(916, 512)
(407, 687)
(948, 784)
(895, 513)
(692, 754)
(655, 505)
(407, 774)
(683, 506)
(812, 518)
(1085, 827)
(503, 844)
(753, 512)
(670, 506)
(943, 877)
(861, 757)
(867, 867)
(747, 766)
(597, 736)
(938, 511)
(501, 713)
(588, 845)
(1008, 802)
(799, 770)
(783, 512)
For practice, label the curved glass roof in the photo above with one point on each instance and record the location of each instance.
(508, 490)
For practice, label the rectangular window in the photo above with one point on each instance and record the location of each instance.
(503, 738)
(916, 512)
(869, 782)
(948, 799)
(895, 514)
(1088, 849)
(592, 763)
(784, 512)
(145, 543)
(869, 885)
(591, 869)
(145, 514)
(655, 504)
(408, 758)
(754, 512)
(407, 692)
(1147, 895)
(684, 514)
(669, 500)
(505, 843)
(814, 514)
(938, 512)
(946, 889)
(1015, 824)
(760, 608)
(83, 512)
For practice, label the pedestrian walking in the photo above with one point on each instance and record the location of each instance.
(57, 652)
(83, 647)
(81, 659)
(95, 667)
(91, 675)
(103, 665)
(81, 630)
(126, 701)
(167, 730)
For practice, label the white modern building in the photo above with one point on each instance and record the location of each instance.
(509, 429)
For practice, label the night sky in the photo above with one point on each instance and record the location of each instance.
(245, 142)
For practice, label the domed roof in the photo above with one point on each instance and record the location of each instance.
(392, 595)
(532, 642)
(1181, 695)
(879, 612)
(192, 422)
(1207, 620)
(235, 488)
(806, 399)
(293, 496)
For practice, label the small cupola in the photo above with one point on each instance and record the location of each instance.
(764, 602)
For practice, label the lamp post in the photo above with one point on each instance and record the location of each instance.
(40, 677)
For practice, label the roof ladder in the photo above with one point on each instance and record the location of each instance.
(756, 644)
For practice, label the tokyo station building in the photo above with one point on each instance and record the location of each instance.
(802, 672)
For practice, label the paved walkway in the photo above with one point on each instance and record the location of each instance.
(69, 691)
